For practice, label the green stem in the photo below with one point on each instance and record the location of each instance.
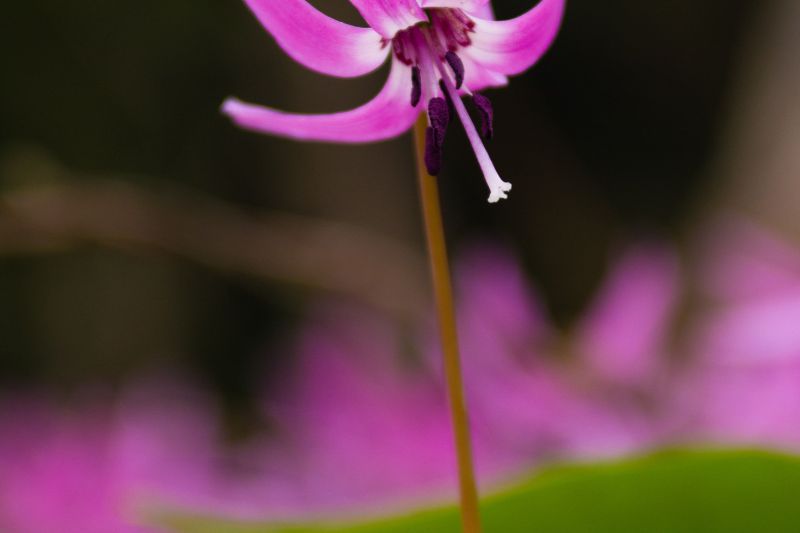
(442, 286)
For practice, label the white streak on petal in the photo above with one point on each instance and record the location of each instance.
(318, 41)
(470, 6)
(388, 17)
(513, 46)
(387, 115)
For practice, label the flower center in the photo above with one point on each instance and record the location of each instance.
(432, 50)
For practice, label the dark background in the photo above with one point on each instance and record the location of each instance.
(610, 138)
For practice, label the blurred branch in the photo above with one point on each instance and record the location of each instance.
(302, 251)
(761, 155)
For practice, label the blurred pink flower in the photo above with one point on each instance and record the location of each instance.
(441, 50)
(88, 469)
(359, 425)
(365, 425)
(623, 337)
(743, 383)
(526, 397)
(615, 385)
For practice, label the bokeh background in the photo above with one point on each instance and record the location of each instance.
(140, 231)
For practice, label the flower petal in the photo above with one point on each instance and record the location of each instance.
(470, 6)
(477, 77)
(388, 17)
(318, 41)
(513, 46)
(387, 115)
(485, 12)
(623, 335)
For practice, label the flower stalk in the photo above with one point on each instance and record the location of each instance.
(443, 292)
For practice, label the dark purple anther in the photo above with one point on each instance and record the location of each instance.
(439, 116)
(416, 86)
(486, 112)
(433, 153)
(458, 67)
(443, 88)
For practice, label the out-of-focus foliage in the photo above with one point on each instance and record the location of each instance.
(690, 492)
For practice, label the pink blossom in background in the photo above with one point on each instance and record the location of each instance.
(56, 473)
(743, 383)
(441, 51)
(619, 388)
(365, 424)
(362, 424)
(623, 336)
(529, 401)
(358, 424)
(741, 261)
(88, 468)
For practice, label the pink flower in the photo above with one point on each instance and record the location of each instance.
(360, 424)
(360, 428)
(441, 50)
(91, 468)
(363, 425)
(623, 336)
(743, 384)
(527, 396)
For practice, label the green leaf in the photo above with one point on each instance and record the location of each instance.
(677, 491)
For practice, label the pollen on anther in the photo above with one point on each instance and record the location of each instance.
(416, 86)
(439, 116)
(433, 152)
(486, 112)
(458, 67)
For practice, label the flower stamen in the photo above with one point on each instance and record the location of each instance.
(439, 118)
(486, 112)
(433, 152)
(457, 65)
(416, 86)
(497, 187)
(438, 75)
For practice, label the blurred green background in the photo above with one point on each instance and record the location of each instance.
(616, 134)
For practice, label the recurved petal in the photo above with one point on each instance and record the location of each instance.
(513, 46)
(388, 17)
(387, 115)
(318, 41)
